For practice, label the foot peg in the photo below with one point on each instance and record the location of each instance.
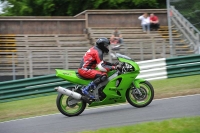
(87, 100)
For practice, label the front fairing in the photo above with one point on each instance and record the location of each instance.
(128, 60)
(117, 86)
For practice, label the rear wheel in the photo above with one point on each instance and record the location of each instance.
(146, 97)
(65, 106)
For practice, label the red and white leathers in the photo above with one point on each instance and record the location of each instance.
(94, 58)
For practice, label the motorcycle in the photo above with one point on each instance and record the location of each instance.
(120, 87)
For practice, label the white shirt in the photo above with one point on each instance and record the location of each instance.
(144, 20)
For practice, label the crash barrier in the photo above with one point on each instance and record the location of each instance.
(150, 70)
(170, 67)
(30, 87)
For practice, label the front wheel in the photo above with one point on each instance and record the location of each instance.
(68, 109)
(143, 100)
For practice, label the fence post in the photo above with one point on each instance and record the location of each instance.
(66, 59)
(13, 67)
(164, 49)
(25, 66)
(169, 10)
(153, 48)
(141, 51)
(30, 64)
(198, 43)
(48, 62)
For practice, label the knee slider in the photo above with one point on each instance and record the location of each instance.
(103, 78)
(100, 79)
(97, 81)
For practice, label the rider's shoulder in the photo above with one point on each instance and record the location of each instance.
(99, 51)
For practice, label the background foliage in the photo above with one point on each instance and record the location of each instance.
(73, 7)
(190, 9)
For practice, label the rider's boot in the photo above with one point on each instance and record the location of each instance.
(93, 85)
(86, 90)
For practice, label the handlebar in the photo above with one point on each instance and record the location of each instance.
(121, 66)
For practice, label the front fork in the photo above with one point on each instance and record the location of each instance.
(136, 85)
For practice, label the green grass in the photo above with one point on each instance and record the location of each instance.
(47, 104)
(178, 125)
(28, 107)
(177, 86)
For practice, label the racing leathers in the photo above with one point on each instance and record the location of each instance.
(94, 58)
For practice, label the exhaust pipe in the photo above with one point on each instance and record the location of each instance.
(67, 92)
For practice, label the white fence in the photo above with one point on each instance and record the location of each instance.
(153, 69)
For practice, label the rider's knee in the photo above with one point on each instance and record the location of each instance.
(103, 78)
(100, 79)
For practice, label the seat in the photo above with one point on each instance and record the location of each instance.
(77, 74)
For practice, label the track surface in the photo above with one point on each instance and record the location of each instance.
(103, 117)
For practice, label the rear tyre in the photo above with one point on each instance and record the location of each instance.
(140, 101)
(65, 108)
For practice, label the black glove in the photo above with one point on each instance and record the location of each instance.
(118, 67)
(116, 63)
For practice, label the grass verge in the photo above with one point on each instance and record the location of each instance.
(47, 104)
(176, 86)
(178, 125)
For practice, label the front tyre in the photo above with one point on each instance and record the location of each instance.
(143, 100)
(63, 106)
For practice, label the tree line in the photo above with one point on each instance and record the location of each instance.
(72, 7)
(189, 9)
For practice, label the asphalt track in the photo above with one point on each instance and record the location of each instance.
(102, 117)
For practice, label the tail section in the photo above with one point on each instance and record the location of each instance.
(71, 76)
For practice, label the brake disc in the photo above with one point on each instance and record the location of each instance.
(137, 96)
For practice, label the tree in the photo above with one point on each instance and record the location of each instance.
(72, 7)
(190, 10)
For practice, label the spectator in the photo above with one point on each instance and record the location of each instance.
(145, 22)
(154, 22)
(116, 37)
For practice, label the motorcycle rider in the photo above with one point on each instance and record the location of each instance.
(94, 58)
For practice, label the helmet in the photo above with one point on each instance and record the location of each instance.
(103, 43)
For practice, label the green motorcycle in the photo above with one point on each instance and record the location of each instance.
(121, 86)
